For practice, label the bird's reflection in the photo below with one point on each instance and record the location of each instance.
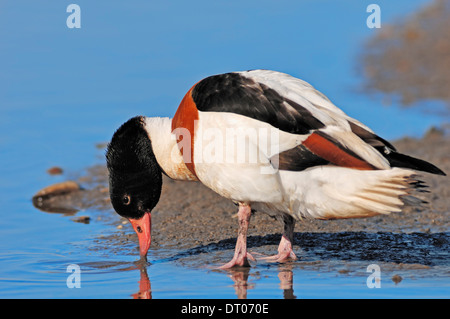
(286, 277)
(239, 275)
(145, 287)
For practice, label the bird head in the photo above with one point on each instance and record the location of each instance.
(135, 178)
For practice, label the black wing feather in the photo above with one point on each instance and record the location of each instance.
(232, 92)
(394, 158)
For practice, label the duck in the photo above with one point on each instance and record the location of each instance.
(269, 142)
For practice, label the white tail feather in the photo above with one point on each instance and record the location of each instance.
(331, 192)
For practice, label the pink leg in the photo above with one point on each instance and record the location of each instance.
(285, 251)
(240, 252)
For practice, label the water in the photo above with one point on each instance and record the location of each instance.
(63, 91)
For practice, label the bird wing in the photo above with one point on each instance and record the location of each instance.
(328, 135)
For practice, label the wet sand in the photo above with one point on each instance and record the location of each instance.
(191, 221)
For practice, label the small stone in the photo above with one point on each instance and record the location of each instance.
(82, 219)
(396, 279)
(58, 189)
(55, 170)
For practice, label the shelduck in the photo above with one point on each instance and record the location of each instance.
(269, 142)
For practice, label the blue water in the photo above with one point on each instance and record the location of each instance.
(64, 90)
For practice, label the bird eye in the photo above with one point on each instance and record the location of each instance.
(126, 200)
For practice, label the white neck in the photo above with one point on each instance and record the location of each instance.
(165, 148)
